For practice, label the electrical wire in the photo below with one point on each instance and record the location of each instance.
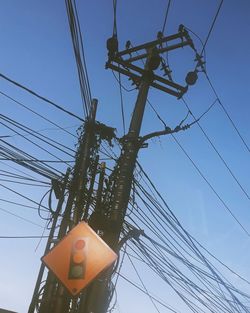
(200, 172)
(227, 114)
(36, 113)
(77, 42)
(217, 152)
(41, 97)
(21, 217)
(114, 18)
(53, 143)
(122, 104)
(166, 17)
(22, 205)
(145, 288)
(216, 292)
(23, 237)
(212, 188)
(212, 26)
(142, 290)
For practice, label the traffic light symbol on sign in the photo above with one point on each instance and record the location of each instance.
(77, 265)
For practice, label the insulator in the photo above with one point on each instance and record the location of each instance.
(191, 78)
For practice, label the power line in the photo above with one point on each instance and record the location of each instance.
(41, 97)
(36, 113)
(166, 17)
(211, 187)
(23, 196)
(36, 160)
(23, 237)
(114, 18)
(217, 152)
(77, 42)
(227, 114)
(142, 290)
(122, 104)
(211, 27)
(138, 275)
(36, 134)
(22, 205)
(20, 217)
(197, 168)
(10, 151)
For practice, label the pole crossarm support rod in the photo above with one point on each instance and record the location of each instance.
(183, 35)
(122, 61)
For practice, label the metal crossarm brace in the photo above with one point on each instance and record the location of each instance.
(122, 62)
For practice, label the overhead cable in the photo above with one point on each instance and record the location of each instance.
(41, 97)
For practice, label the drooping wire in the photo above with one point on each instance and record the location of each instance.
(41, 97)
(145, 288)
(211, 187)
(142, 290)
(227, 114)
(23, 237)
(166, 17)
(217, 152)
(122, 104)
(20, 217)
(36, 113)
(200, 172)
(211, 27)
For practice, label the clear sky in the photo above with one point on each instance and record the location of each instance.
(36, 51)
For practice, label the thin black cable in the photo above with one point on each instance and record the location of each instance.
(227, 114)
(166, 17)
(211, 187)
(138, 275)
(122, 104)
(22, 205)
(36, 113)
(23, 196)
(222, 295)
(31, 132)
(32, 142)
(16, 154)
(41, 97)
(23, 237)
(201, 174)
(21, 217)
(155, 299)
(114, 18)
(77, 42)
(35, 134)
(22, 183)
(217, 152)
(212, 26)
(37, 160)
(17, 176)
(126, 89)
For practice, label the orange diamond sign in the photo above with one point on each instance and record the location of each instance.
(79, 257)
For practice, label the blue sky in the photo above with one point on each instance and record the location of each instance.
(36, 51)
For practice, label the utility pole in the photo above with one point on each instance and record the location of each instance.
(99, 293)
(35, 297)
(54, 298)
(108, 222)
